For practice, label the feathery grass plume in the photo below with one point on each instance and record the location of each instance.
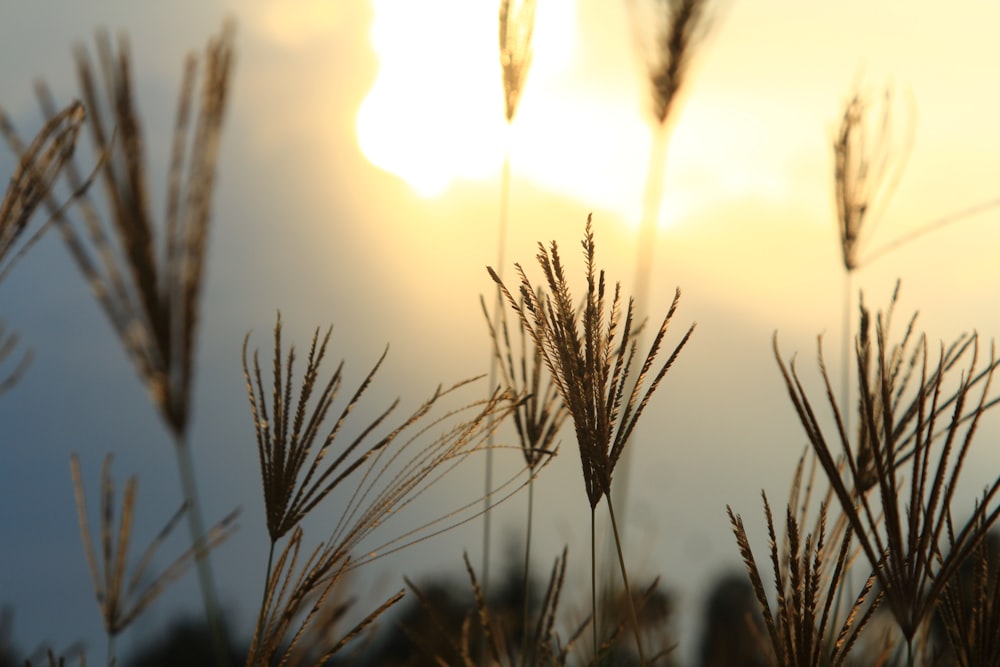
(150, 294)
(902, 534)
(517, 24)
(122, 601)
(868, 163)
(806, 627)
(591, 370)
(150, 290)
(304, 598)
(540, 416)
(970, 610)
(678, 26)
(285, 446)
(37, 170)
(898, 364)
(388, 472)
(537, 419)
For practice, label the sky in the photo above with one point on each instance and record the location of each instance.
(359, 187)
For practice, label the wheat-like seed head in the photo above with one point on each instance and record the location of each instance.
(677, 27)
(38, 168)
(120, 600)
(868, 163)
(540, 415)
(912, 469)
(148, 276)
(589, 359)
(303, 461)
(810, 573)
(517, 24)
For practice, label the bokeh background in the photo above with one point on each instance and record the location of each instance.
(359, 187)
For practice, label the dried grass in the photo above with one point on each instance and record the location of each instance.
(150, 294)
(806, 626)
(300, 468)
(911, 464)
(970, 610)
(38, 168)
(678, 26)
(517, 26)
(868, 163)
(121, 601)
(592, 368)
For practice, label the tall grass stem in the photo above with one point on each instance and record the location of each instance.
(526, 593)
(196, 526)
(628, 590)
(497, 306)
(594, 618)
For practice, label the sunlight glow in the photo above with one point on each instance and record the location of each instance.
(435, 112)
(311, 19)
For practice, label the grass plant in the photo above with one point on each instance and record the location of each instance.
(516, 30)
(886, 508)
(896, 485)
(303, 461)
(806, 626)
(546, 649)
(122, 600)
(151, 295)
(588, 358)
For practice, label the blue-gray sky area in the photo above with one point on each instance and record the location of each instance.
(388, 242)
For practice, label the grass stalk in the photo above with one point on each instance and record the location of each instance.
(526, 591)
(516, 25)
(262, 614)
(595, 619)
(628, 590)
(196, 527)
(845, 357)
(494, 362)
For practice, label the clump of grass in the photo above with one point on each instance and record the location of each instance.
(303, 461)
(298, 597)
(545, 650)
(915, 456)
(970, 610)
(121, 601)
(806, 626)
(150, 290)
(589, 360)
